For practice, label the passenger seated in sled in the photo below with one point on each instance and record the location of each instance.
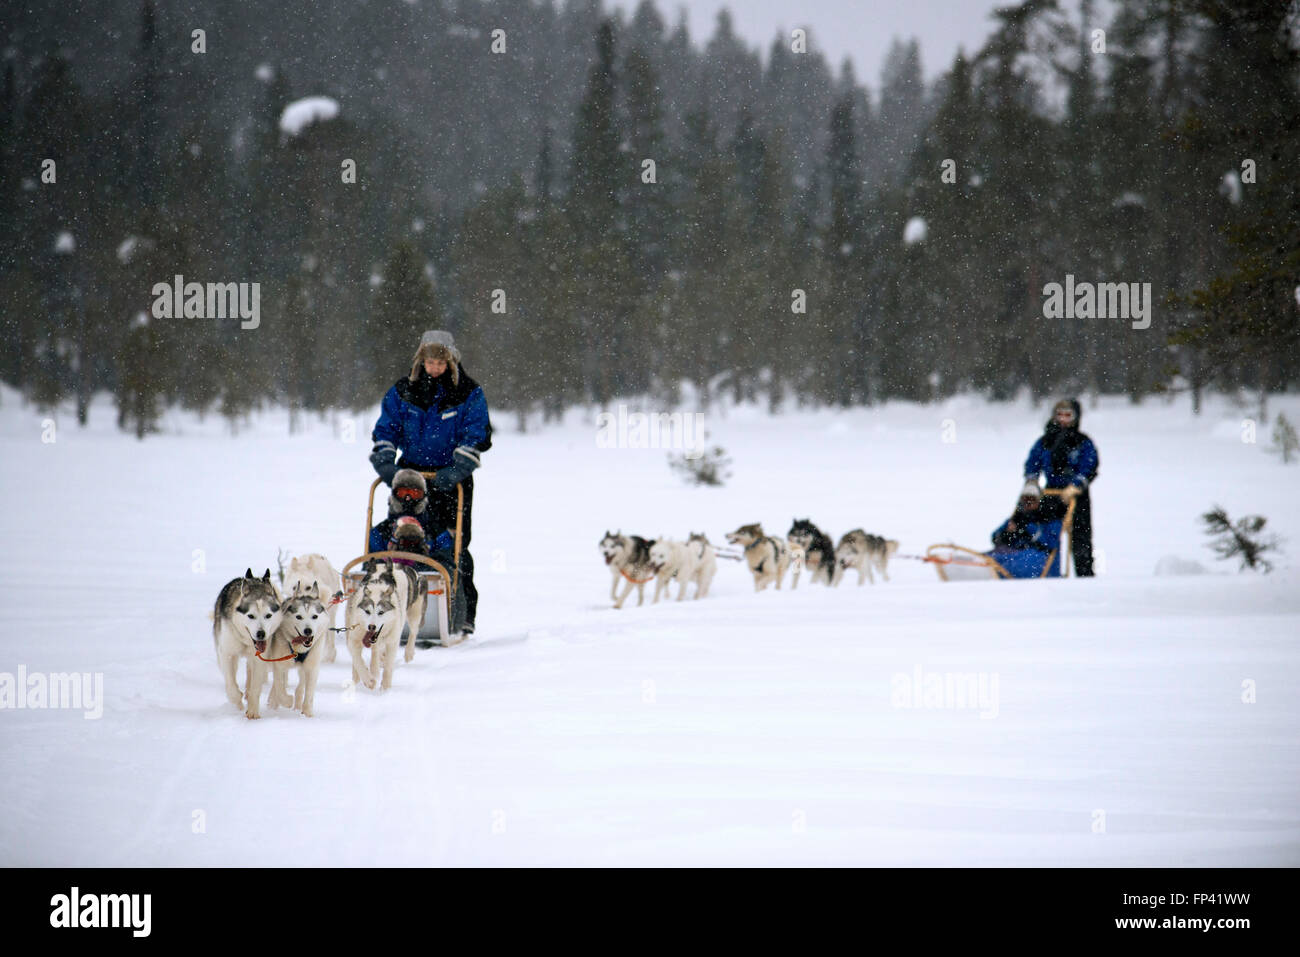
(408, 508)
(1028, 544)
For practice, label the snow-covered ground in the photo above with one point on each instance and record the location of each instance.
(1132, 719)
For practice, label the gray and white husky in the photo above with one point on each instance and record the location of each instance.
(246, 615)
(628, 557)
(768, 557)
(706, 562)
(387, 597)
(859, 550)
(818, 550)
(316, 570)
(302, 634)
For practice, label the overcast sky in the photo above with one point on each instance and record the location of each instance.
(859, 29)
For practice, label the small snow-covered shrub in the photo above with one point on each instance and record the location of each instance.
(1241, 540)
(711, 467)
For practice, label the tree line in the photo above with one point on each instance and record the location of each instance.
(600, 207)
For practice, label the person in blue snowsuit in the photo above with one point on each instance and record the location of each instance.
(437, 419)
(1030, 539)
(1069, 460)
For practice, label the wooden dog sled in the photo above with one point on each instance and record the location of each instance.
(444, 615)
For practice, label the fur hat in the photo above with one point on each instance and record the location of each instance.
(408, 478)
(1031, 490)
(437, 344)
(408, 535)
(1072, 405)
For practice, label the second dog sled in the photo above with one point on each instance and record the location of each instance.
(956, 563)
(444, 615)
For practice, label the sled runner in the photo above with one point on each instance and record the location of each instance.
(444, 615)
(956, 563)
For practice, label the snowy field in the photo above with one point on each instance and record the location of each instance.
(745, 729)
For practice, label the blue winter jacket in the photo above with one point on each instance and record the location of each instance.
(434, 424)
(1075, 458)
(1024, 552)
(1027, 562)
(379, 541)
(1043, 536)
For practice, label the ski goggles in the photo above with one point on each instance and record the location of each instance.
(408, 494)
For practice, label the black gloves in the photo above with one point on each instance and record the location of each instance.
(384, 458)
(447, 479)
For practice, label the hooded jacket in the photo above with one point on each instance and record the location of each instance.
(434, 423)
(1065, 455)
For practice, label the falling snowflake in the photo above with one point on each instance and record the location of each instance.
(1230, 187)
(300, 114)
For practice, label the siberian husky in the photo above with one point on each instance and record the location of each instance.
(245, 617)
(299, 644)
(671, 560)
(628, 556)
(859, 550)
(706, 562)
(768, 557)
(316, 570)
(818, 550)
(387, 597)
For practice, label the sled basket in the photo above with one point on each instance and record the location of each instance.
(957, 563)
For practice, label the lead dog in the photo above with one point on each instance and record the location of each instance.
(859, 550)
(302, 640)
(387, 597)
(669, 560)
(818, 550)
(768, 557)
(246, 614)
(316, 570)
(627, 556)
(706, 563)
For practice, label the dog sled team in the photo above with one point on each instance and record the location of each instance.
(433, 422)
(635, 561)
(1029, 544)
(277, 633)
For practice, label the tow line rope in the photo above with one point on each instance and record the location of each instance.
(936, 560)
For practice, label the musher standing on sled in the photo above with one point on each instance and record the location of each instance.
(437, 418)
(1070, 460)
